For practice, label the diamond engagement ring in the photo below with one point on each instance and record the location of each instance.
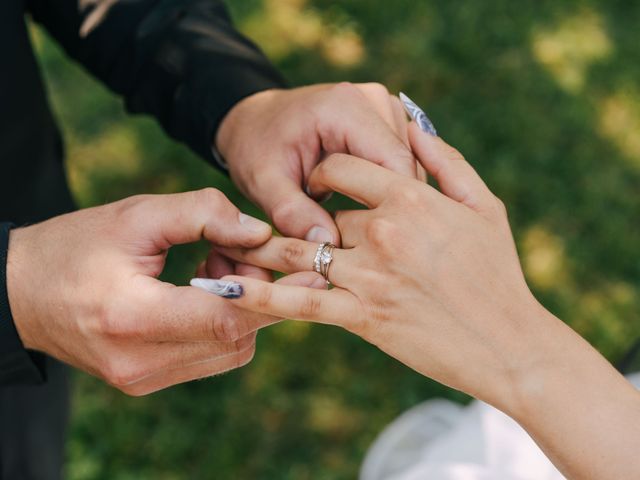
(323, 259)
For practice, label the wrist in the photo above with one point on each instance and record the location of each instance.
(556, 365)
(249, 108)
(534, 352)
(17, 287)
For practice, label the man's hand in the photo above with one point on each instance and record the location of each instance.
(83, 288)
(273, 140)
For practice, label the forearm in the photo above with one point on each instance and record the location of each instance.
(582, 413)
(181, 61)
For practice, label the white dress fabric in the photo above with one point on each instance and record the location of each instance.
(477, 442)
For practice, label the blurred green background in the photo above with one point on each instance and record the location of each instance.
(542, 97)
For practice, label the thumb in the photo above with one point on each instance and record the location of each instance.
(188, 217)
(294, 213)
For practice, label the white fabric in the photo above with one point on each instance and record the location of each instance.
(482, 443)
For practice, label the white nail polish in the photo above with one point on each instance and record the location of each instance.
(418, 115)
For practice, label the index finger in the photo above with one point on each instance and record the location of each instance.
(360, 130)
(187, 314)
(333, 307)
(356, 178)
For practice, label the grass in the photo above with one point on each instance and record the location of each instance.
(542, 97)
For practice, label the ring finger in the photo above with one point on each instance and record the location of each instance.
(290, 255)
(352, 225)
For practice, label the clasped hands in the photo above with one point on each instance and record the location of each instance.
(431, 277)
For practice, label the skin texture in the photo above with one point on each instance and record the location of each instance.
(433, 278)
(272, 141)
(83, 288)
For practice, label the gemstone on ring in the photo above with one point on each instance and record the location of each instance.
(323, 259)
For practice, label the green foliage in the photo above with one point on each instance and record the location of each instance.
(542, 97)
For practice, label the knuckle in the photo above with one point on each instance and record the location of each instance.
(133, 201)
(376, 315)
(129, 210)
(292, 254)
(245, 357)
(226, 327)
(361, 327)
(378, 89)
(120, 373)
(310, 306)
(284, 211)
(453, 153)
(247, 342)
(500, 207)
(112, 324)
(211, 196)
(119, 320)
(380, 232)
(134, 391)
(263, 299)
(408, 195)
(344, 89)
(496, 208)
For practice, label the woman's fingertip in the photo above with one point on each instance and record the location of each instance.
(418, 115)
(319, 283)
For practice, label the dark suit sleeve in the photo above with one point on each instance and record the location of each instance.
(179, 60)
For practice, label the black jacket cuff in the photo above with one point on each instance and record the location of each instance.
(18, 366)
(198, 68)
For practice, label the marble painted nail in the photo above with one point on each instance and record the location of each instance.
(418, 115)
(220, 288)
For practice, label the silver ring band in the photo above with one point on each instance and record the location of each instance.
(322, 260)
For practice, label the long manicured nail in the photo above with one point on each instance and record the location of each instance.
(319, 235)
(418, 115)
(253, 224)
(220, 288)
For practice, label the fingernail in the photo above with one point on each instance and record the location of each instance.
(418, 115)
(220, 288)
(319, 235)
(253, 224)
(320, 283)
(325, 198)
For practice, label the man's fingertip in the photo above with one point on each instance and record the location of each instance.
(319, 283)
(318, 234)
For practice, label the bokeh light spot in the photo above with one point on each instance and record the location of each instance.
(620, 123)
(571, 47)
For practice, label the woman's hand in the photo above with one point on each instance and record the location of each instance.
(434, 280)
(431, 278)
